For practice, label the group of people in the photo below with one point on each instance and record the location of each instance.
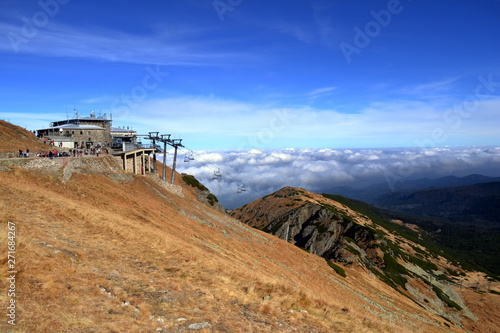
(77, 152)
(72, 153)
(49, 154)
(24, 153)
(52, 153)
(86, 152)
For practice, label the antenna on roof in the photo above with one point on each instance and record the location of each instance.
(76, 113)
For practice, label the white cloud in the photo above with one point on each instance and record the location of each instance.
(216, 121)
(312, 169)
(213, 122)
(208, 121)
(429, 89)
(211, 157)
(321, 92)
(58, 40)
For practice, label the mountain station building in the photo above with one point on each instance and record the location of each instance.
(87, 132)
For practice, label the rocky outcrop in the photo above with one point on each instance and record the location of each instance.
(316, 226)
(340, 233)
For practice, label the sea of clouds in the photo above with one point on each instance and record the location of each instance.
(249, 174)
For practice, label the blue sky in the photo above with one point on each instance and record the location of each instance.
(247, 74)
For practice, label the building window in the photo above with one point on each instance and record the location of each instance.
(81, 132)
(89, 132)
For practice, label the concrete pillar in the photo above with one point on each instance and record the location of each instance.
(134, 165)
(154, 156)
(164, 161)
(173, 166)
(143, 164)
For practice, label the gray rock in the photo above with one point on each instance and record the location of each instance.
(199, 326)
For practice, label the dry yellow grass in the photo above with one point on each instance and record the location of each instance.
(96, 255)
(93, 254)
(13, 138)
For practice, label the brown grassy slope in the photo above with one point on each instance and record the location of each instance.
(13, 138)
(94, 254)
(97, 255)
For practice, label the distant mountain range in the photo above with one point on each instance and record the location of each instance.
(372, 193)
(449, 181)
(470, 201)
(473, 206)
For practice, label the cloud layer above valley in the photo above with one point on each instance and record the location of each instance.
(260, 172)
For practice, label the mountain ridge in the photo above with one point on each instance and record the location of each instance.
(345, 237)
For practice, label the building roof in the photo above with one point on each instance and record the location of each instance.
(84, 118)
(91, 119)
(118, 129)
(74, 127)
